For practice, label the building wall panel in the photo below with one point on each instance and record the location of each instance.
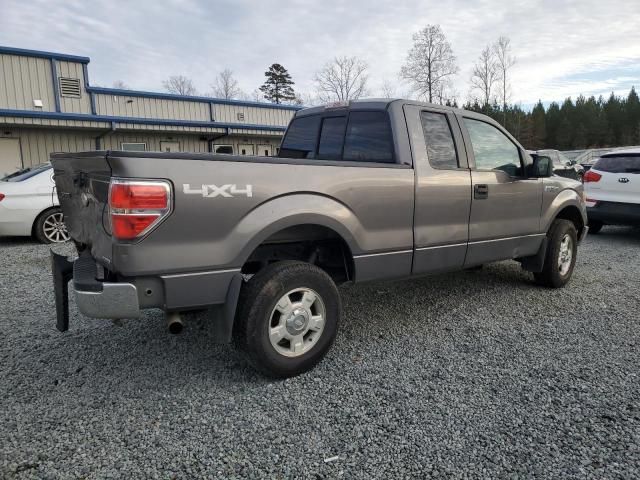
(23, 80)
(156, 108)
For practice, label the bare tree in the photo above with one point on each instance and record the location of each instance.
(388, 89)
(430, 62)
(344, 78)
(485, 74)
(226, 86)
(180, 85)
(119, 84)
(504, 59)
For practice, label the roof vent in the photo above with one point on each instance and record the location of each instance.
(70, 87)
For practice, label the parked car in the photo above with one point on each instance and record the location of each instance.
(562, 165)
(369, 190)
(612, 187)
(29, 205)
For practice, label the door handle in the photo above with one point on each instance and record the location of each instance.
(480, 191)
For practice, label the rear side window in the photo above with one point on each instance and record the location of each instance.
(300, 140)
(492, 149)
(622, 164)
(368, 138)
(331, 138)
(437, 134)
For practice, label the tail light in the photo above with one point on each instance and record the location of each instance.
(136, 207)
(1, 196)
(591, 176)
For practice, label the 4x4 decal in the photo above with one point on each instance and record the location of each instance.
(212, 191)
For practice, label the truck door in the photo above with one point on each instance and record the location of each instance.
(442, 191)
(505, 209)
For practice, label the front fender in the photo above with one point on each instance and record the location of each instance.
(553, 205)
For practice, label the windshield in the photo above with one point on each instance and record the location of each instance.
(26, 173)
(618, 164)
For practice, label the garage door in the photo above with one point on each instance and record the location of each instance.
(10, 156)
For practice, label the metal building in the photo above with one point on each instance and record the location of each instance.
(48, 105)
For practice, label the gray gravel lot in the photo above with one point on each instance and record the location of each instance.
(467, 375)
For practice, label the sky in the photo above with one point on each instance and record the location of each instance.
(563, 48)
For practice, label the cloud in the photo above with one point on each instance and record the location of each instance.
(563, 48)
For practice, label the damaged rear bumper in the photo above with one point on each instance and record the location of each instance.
(93, 297)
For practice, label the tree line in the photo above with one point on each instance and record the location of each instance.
(586, 123)
(429, 70)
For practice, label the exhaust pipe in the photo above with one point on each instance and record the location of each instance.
(174, 322)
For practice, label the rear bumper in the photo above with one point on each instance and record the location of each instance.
(615, 213)
(94, 298)
(103, 299)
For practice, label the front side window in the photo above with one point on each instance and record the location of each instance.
(492, 149)
(331, 138)
(300, 139)
(368, 138)
(437, 134)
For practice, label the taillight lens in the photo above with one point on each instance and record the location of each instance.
(591, 176)
(1, 196)
(137, 206)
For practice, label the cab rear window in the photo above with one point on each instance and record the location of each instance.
(301, 138)
(362, 136)
(618, 164)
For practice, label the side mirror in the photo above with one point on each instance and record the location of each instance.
(542, 167)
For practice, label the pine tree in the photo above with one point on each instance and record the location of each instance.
(538, 126)
(277, 87)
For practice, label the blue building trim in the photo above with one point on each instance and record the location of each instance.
(190, 98)
(135, 120)
(56, 87)
(23, 52)
(92, 97)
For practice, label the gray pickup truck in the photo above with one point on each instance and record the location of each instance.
(370, 190)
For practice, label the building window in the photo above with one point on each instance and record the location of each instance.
(69, 87)
(134, 147)
(240, 117)
(224, 149)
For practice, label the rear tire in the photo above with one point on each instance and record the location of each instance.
(49, 227)
(287, 318)
(595, 226)
(560, 259)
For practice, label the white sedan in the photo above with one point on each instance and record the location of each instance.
(29, 205)
(612, 187)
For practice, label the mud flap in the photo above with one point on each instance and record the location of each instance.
(62, 270)
(535, 263)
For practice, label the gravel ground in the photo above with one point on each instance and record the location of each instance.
(467, 375)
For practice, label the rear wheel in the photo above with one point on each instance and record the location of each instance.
(595, 226)
(560, 259)
(50, 227)
(287, 318)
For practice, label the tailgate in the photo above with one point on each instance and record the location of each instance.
(82, 185)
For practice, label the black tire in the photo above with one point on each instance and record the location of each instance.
(551, 276)
(595, 226)
(39, 227)
(258, 299)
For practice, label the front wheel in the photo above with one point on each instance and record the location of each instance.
(560, 259)
(50, 227)
(287, 319)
